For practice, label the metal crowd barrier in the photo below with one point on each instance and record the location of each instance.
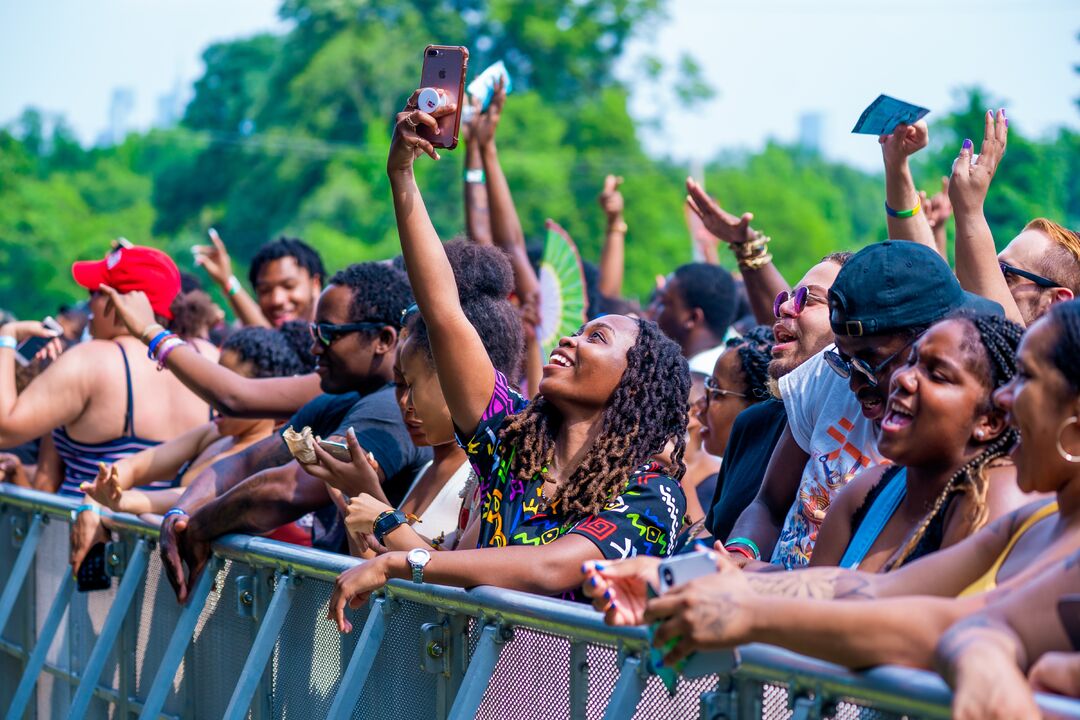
(254, 642)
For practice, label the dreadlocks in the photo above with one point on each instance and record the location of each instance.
(647, 410)
(991, 341)
(755, 354)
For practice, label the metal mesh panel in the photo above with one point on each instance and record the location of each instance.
(155, 611)
(774, 702)
(16, 630)
(531, 678)
(310, 655)
(656, 702)
(603, 674)
(220, 646)
(854, 711)
(385, 695)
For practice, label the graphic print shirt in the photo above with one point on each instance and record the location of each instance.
(644, 519)
(826, 421)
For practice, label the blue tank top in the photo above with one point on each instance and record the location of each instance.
(81, 459)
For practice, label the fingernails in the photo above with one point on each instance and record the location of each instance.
(967, 144)
(607, 596)
(594, 581)
(598, 567)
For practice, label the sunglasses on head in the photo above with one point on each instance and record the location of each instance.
(1039, 280)
(844, 368)
(800, 296)
(327, 333)
(711, 389)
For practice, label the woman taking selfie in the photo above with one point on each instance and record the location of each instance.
(567, 478)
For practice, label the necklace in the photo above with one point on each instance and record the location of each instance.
(545, 473)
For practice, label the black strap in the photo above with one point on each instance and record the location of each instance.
(129, 416)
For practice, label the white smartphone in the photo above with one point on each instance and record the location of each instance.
(681, 569)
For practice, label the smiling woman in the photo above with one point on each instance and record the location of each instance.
(565, 479)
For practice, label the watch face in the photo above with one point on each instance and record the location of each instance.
(418, 556)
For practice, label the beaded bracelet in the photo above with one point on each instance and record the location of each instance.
(904, 213)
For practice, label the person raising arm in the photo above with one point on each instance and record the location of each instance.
(611, 397)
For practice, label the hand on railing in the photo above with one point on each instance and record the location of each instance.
(105, 488)
(710, 613)
(180, 547)
(353, 587)
(86, 532)
(619, 589)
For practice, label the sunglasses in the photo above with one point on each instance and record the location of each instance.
(844, 368)
(1039, 280)
(327, 333)
(711, 389)
(800, 297)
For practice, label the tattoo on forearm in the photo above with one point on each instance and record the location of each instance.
(813, 584)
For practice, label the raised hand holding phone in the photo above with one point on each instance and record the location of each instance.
(442, 85)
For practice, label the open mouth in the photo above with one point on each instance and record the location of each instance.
(560, 359)
(872, 403)
(784, 338)
(896, 418)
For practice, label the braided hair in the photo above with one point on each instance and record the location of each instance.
(991, 341)
(647, 409)
(755, 354)
(1066, 351)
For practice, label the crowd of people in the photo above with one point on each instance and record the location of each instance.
(884, 458)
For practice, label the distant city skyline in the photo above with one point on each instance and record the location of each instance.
(783, 69)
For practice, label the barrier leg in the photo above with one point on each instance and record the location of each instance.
(41, 649)
(178, 644)
(363, 657)
(475, 682)
(19, 571)
(627, 693)
(133, 579)
(264, 643)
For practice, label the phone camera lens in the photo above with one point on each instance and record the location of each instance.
(669, 578)
(432, 53)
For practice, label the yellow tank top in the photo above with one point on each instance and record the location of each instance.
(989, 581)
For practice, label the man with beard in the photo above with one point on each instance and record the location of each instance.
(801, 331)
(883, 298)
(355, 334)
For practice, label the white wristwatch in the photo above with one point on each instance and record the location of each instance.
(417, 559)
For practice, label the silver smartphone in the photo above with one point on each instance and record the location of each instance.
(681, 569)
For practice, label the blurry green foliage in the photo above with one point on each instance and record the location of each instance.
(288, 135)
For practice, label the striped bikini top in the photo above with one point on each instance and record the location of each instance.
(81, 459)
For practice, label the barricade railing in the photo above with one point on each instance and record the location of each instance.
(254, 641)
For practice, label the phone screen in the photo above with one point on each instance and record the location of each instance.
(444, 70)
(28, 348)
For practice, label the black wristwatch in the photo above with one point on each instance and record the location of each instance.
(386, 522)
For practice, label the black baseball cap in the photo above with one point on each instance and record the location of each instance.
(897, 284)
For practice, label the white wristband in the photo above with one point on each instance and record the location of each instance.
(8, 341)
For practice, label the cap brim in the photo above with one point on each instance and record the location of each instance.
(979, 305)
(90, 274)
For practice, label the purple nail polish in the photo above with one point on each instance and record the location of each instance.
(967, 144)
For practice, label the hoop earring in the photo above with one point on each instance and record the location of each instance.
(1067, 456)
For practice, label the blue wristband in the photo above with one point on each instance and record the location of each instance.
(87, 506)
(156, 341)
(175, 511)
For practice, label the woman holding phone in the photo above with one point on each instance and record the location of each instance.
(564, 479)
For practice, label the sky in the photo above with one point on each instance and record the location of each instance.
(770, 62)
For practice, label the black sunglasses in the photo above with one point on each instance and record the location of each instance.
(843, 367)
(1039, 280)
(327, 333)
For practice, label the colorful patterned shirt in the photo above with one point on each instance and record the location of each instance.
(644, 519)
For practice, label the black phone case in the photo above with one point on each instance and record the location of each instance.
(92, 575)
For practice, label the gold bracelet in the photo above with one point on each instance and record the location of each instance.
(751, 248)
(756, 263)
(619, 227)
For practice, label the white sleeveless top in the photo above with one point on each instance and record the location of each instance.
(441, 516)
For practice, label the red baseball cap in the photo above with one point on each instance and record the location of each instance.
(126, 269)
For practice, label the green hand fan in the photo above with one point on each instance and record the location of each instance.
(562, 289)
